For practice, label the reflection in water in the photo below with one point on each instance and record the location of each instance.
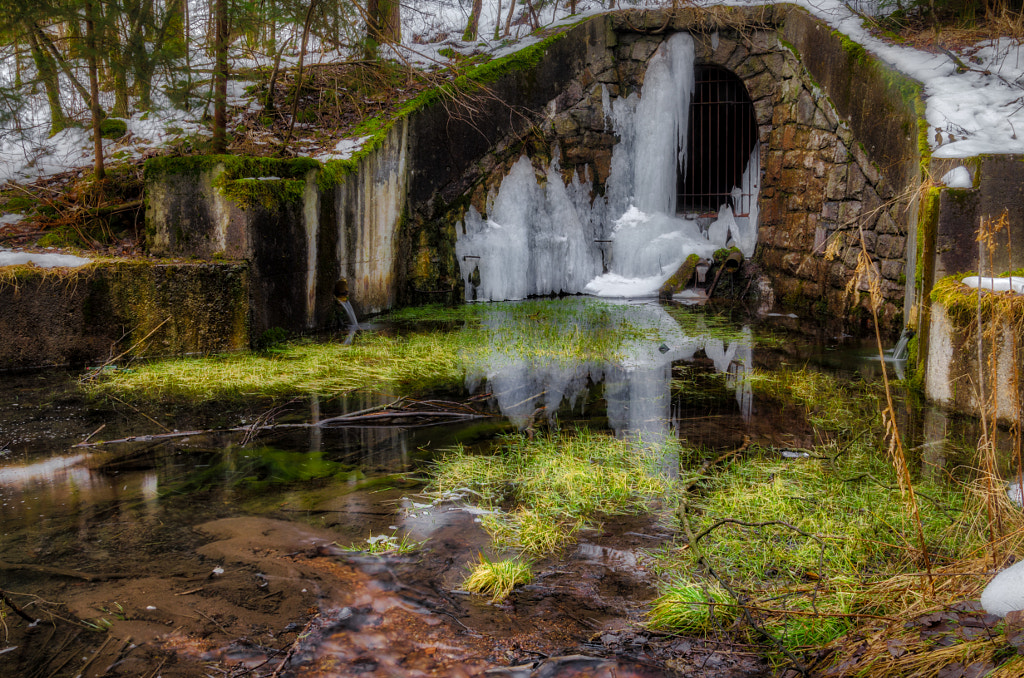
(526, 380)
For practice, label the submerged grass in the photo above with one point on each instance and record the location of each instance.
(550, 487)
(373, 361)
(384, 545)
(559, 331)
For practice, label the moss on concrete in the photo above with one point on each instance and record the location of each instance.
(252, 192)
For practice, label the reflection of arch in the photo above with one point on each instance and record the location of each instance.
(723, 132)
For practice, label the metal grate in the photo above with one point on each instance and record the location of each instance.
(723, 132)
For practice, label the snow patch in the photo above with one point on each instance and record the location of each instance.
(42, 260)
(1005, 593)
(958, 177)
(1008, 284)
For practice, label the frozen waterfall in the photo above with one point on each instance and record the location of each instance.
(541, 236)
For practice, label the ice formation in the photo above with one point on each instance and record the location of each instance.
(541, 236)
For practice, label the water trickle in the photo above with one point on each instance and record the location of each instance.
(542, 236)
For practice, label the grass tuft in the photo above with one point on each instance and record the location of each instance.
(497, 578)
(686, 607)
(384, 545)
(554, 485)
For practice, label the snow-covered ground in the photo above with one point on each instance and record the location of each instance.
(978, 111)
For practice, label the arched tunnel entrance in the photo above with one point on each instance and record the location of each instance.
(722, 135)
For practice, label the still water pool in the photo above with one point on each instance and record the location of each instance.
(229, 536)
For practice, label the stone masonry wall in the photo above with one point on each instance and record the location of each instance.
(819, 187)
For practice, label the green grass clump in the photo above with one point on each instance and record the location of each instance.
(686, 607)
(416, 362)
(497, 578)
(550, 487)
(807, 543)
(854, 508)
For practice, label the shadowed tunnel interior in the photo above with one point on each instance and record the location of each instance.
(723, 132)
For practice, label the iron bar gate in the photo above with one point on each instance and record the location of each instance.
(722, 135)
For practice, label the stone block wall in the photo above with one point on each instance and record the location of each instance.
(820, 186)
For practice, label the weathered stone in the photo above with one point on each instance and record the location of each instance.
(808, 199)
(737, 56)
(890, 247)
(841, 153)
(751, 68)
(761, 86)
(865, 164)
(838, 274)
(835, 183)
(773, 166)
(870, 240)
(763, 111)
(821, 120)
(830, 212)
(805, 108)
(855, 182)
(602, 163)
(565, 126)
(891, 269)
(774, 63)
(608, 76)
(814, 162)
(791, 262)
(644, 48)
(886, 224)
(850, 257)
(723, 52)
(820, 139)
(849, 213)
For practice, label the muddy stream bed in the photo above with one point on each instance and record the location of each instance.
(219, 554)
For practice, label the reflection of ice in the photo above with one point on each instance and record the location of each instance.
(636, 387)
(52, 471)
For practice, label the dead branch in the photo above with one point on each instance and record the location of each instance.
(382, 416)
(745, 609)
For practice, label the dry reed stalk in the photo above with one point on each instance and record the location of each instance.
(999, 321)
(867, 272)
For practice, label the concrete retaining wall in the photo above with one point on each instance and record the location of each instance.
(90, 314)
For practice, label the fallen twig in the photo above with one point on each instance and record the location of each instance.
(295, 646)
(14, 608)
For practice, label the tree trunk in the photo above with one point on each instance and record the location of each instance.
(508, 20)
(120, 109)
(383, 25)
(94, 88)
(58, 59)
(220, 76)
(48, 74)
(473, 25)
